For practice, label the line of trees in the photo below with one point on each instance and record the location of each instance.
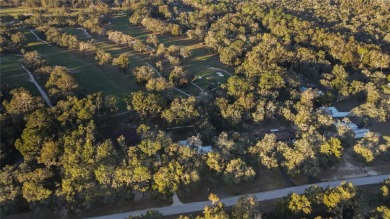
(161, 27)
(11, 38)
(127, 40)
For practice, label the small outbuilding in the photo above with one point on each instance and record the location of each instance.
(201, 148)
(360, 133)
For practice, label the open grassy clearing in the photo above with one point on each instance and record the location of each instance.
(201, 59)
(210, 78)
(14, 11)
(12, 75)
(136, 58)
(91, 77)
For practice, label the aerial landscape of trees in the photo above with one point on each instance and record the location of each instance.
(180, 125)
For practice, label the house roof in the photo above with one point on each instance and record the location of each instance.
(360, 133)
(201, 149)
(205, 149)
(332, 111)
(283, 135)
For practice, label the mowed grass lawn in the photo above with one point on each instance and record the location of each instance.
(12, 75)
(201, 59)
(136, 58)
(90, 76)
(15, 11)
(209, 78)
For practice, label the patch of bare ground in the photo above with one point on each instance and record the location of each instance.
(144, 203)
(267, 180)
(265, 207)
(380, 127)
(350, 166)
(347, 105)
(202, 193)
(301, 180)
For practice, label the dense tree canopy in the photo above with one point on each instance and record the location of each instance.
(282, 64)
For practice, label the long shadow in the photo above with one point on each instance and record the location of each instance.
(287, 180)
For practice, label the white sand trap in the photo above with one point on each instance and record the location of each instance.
(200, 77)
(220, 74)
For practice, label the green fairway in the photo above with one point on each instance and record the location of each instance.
(209, 78)
(199, 62)
(12, 75)
(136, 59)
(91, 77)
(94, 78)
(121, 23)
(14, 11)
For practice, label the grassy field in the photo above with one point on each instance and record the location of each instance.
(136, 58)
(91, 77)
(209, 78)
(201, 58)
(199, 63)
(14, 11)
(94, 78)
(12, 75)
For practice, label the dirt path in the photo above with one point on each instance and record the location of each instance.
(201, 90)
(39, 39)
(85, 32)
(154, 69)
(188, 95)
(43, 93)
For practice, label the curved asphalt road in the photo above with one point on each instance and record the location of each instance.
(260, 196)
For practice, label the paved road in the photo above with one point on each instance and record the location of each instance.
(260, 196)
(159, 74)
(41, 91)
(39, 39)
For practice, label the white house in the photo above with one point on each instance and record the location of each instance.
(201, 149)
(332, 111)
